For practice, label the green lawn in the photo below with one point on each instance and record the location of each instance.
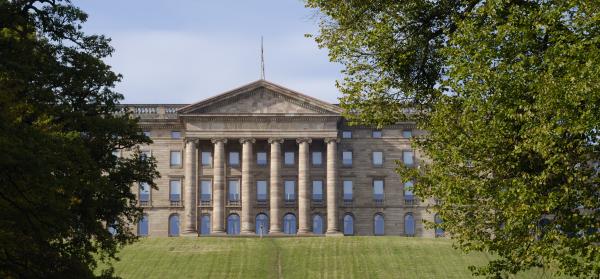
(313, 257)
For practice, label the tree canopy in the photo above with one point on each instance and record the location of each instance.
(60, 184)
(508, 93)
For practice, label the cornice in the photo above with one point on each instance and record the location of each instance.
(261, 118)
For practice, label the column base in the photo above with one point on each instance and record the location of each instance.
(190, 234)
(248, 233)
(272, 233)
(218, 233)
(334, 233)
(305, 233)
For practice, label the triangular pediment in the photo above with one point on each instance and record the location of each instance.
(260, 97)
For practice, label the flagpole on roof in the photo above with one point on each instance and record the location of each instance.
(262, 60)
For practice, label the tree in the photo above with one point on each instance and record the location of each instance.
(508, 92)
(60, 185)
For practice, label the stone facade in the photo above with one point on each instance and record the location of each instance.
(242, 138)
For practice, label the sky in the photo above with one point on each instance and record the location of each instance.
(183, 51)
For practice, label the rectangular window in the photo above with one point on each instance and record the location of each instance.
(175, 158)
(234, 158)
(145, 155)
(317, 190)
(289, 158)
(147, 133)
(346, 134)
(347, 190)
(175, 134)
(289, 191)
(407, 158)
(261, 158)
(144, 192)
(175, 186)
(377, 134)
(407, 134)
(347, 158)
(205, 190)
(378, 190)
(261, 190)
(207, 158)
(408, 191)
(317, 158)
(378, 158)
(234, 190)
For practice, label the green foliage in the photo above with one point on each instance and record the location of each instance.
(508, 92)
(59, 123)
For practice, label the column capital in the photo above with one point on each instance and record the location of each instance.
(328, 140)
(250, 140)
(275, 140)
(215, 140)
(301, 140)
(192, 140)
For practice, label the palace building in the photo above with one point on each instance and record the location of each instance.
(264, 159)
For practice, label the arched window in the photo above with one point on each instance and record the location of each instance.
(174, 225)
(317, 224)
(348, 224)
(143, 226)
(289, 224)
(205, 224)
(409, 225)
(439, 232)
(233, 224)
(262, 224)
(378, 224)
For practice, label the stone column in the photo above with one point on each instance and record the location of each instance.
(218, 186)
(303, 186)
(275, 186)
(189, 187)
(332, 181)
(247, 200)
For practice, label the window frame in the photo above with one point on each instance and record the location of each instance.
(171, 165)
(178, 225)
(312, 190)
(285, 163)
(140, 192)
(171, 180)
(348, 214)
(412, 157)
(312, 158)
(378, 214)
(404, 131)
(285, 180)
(266, 190)
(210, 180)
(377, 132)
(144, 216)
(211, 159)
(258, 163)
(173, 133)
(376, 179)
(239, 189)
(351, 158)
(373, 163)
(344, 190)
(238, 163)
(347, 132)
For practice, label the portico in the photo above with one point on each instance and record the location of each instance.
(260, 118)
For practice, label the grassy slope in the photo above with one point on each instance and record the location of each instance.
(319, 257)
